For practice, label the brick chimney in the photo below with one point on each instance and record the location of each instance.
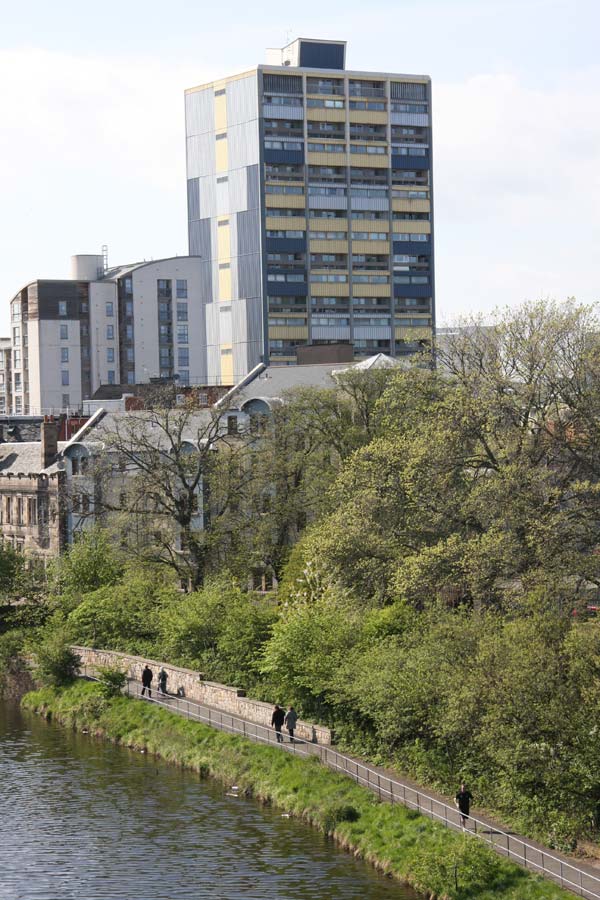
(49, 441)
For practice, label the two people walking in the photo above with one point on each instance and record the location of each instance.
(147, 677)
(280, 718)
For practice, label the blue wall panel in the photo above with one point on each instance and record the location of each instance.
(283, 289)
(284, 156)
(418, 248)
(286, 245)
(410, 162)
(321, 55)
(412, 290)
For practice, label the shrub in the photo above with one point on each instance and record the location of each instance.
(57, 663)
(112, 681)
(337, 813)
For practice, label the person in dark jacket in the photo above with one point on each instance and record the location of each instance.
(147, 680)
(291, 717)
(463, 803)
(162, 681)
(277, 721)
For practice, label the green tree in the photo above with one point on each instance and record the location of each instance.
(122, 616)
(92, 562)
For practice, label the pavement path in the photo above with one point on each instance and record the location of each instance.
(579, 877)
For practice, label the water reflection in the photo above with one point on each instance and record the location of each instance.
(83, 820)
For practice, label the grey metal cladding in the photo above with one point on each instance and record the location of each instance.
(253, 187)
(233, 242)
(409, 118)
(213, 363)
(238, 321)
(327, 203)
(247, 332)
(242, 144)
(208, 196)
(242, 100)
(332, 333)
(371, 332)
(201, 155)
(200, 243)
(403, 90)
(193, 192)
(222, 188)
(200, 111)
(224, 323)
(248, 234)
(206, 281)
(282, 84)
(238, 190)
(255, 319)
(249, 275)
(373, 203)
(272, 111)
(212, 324)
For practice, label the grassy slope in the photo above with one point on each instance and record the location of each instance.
(402, 843)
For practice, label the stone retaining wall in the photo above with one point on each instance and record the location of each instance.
(220, 696)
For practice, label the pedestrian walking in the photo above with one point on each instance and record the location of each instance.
(291, 717)
(147, 677)
(463, 803)
(277, 721)
(162, 681)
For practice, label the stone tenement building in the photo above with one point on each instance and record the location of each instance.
(31, 490)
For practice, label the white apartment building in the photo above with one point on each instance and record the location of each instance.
(123, 325)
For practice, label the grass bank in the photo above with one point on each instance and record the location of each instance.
(398, 841)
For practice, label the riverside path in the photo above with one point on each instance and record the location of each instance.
(580, 878)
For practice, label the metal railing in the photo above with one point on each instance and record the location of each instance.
(516, 849)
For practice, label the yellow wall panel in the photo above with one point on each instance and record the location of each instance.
(411, 205)
(224, 284)
(369, 224)
(288, 223)
(286, 201)
(226, 364)
(402, 334)
(327, 224)
(221, 155)
(372, 290)
(409, 226)
(326, 159)
(329, 246)
(380, 248)
(326, 115)
(288, 333)
(369, 160)
(223, 242)
(368, 117)
(318, 289)
(221, 112)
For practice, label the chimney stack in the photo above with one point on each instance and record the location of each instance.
(49, 441)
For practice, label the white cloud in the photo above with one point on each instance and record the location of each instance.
(517, 191)
(92, 151)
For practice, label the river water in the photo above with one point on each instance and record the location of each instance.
(84, 820)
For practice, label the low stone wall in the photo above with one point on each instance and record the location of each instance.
(17, 681)
(220, 696)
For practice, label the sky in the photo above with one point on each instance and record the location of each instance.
(92, 147)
